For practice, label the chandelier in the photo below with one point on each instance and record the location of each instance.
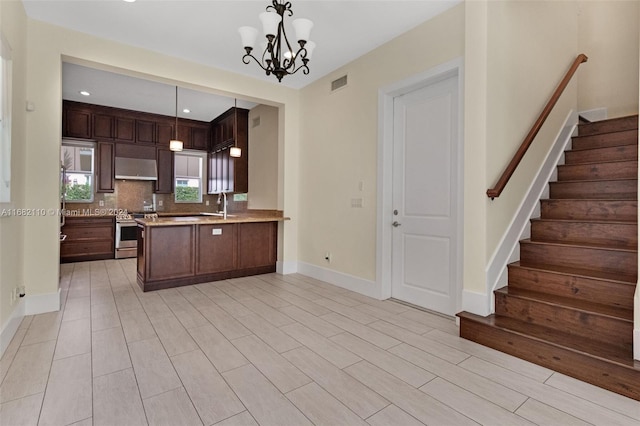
(278, 56)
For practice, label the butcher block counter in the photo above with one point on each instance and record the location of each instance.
(185, 250)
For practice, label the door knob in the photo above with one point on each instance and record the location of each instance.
(396, 224)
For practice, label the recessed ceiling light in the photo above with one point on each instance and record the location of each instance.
(186, 110)
(84, 93)
(129, 1)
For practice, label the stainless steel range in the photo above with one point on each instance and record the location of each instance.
(126, 233)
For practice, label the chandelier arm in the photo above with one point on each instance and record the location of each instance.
(246, 59)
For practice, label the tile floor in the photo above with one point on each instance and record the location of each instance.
(269, 350)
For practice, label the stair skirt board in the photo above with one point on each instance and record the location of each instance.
(568, 303)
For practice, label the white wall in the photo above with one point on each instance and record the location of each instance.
(13, 23)
(263, 158)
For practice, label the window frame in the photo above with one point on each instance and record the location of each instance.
(81, 144)
(202, 155)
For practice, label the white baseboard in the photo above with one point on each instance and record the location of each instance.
(636, 344)
(286, 267)
(508, 248)
(476, 303)
(595, 114)
(42, 303)
(11, 326)
(349, 282)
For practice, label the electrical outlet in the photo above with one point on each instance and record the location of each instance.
(159, 203)
(101, 203)
(327, 257)
(206, 203)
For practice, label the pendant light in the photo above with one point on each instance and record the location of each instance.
(175, 144)
(235, 151)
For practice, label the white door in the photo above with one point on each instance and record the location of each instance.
(425, 168)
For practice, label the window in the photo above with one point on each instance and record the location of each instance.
(78, 161)
(5, 120)
(189, 173)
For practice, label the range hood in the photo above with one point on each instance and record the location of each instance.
(136, 169)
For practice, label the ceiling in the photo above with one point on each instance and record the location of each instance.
(205, 32)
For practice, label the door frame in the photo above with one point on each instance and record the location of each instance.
(386, 95)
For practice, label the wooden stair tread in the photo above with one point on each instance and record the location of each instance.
(629, 122)
(586, 221)
(619, 355)
(571, 303)
(585, 273)
(583, 245)
(597, 181)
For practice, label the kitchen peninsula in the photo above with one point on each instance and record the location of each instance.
(178, 251)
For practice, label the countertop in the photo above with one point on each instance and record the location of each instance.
(243, 217)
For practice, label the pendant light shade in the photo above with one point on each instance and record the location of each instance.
(175, 144)
(235, 151)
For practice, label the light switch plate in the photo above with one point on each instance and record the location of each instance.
(216, 231)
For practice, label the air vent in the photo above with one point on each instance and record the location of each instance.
(255, 122)
(338, 83)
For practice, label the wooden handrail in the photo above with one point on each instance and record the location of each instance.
(517, 157)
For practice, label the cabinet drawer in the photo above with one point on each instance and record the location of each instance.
(86, 248)
(89, 232)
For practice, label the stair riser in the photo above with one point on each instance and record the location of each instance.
(619, 235)
(602, 328)
(606, 189)
(626, 210)
(618, 153)
(540, 255)
(628, 137)
(605, 126)
(590, 369)
(582, 288)
(603, 171)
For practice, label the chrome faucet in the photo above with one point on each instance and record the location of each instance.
(224, 204)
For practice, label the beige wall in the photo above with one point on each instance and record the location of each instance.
(608, 35)
(338, 145)
(263, 158)
(13, 23)
(47, 46)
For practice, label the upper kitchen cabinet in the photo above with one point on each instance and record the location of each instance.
(103, 126)
(200, 137)
(145, 131)
(125, 129)
(164, 132)
(76, 121)
(228, 174)
(225, 131)
(106, 167)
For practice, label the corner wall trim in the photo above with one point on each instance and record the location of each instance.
(508, 248)
(349, 282)
(476, 303)
(286, 267)
(636, 344)
(11, 326)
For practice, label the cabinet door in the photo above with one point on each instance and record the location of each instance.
(211, 174)
(216, 249)
(164, 184)
(102, 126)
(145, 131)
(165, 134)
(125, 129)
(77, 123)
(106, 161)
(257, 244)
(200, 138)
(184, 134)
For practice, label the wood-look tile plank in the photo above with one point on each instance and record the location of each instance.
(189, 316)
(29, 371)
(171, 408)
(324, 347)
(263, 400)
(447, 325)
(116, 400)
(488, 389)
(222, 354)
(43, 328)
(10, 352)
(294, 299)
(271, 335)
(136, 325)
(230, 305)
(627, 406)
(322, 408)
(109, 352)
(275, 317)
(23, 411)
(174, 337)
(213, 399)
(230, 327)
(420, 342)
(284, 375)
(68, 397)
(100, 295)
(364, 332)
(392, 364)
(154, 306)
(104, 315)
(471, 405)
(152, 367)
(126, 299)
(242, 419)
(407, 324)
(417, 403)
(308, 319)
(194, 296)
(74, 338)
(544, 415)
(345, 311)
(360, 399)
(338, 298)
(77, 308)
(518, 365)
(570, 404)
(392, 416)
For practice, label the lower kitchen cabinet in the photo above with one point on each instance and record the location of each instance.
(88, 238)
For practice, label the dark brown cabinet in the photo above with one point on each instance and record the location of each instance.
(200, 138)
(228, 174)
(106, 167)
(165, 133)
(88, 238)
(76, 123)
(102, 126)
(125, 129)
(217, 249)
(145, 131)
(164, 184)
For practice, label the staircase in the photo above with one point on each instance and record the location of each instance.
(568, 305)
